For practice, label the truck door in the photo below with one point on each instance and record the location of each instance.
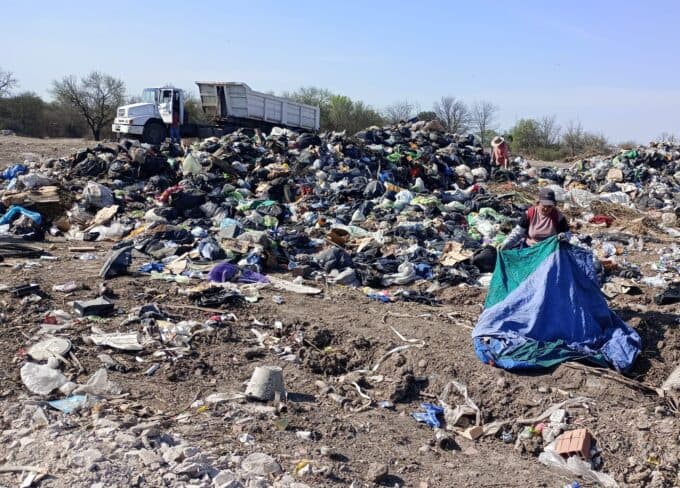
(165, 104)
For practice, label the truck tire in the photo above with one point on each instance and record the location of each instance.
(154, 133)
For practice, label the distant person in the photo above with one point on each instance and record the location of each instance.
(174, 127)
(538, 223)
(500, 154)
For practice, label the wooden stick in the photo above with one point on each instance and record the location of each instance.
(21, 468)
(612, 376)
(193, 307)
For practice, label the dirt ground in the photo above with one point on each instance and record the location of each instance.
(330, 336)
(16, 149)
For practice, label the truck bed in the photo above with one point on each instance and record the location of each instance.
(233, 100)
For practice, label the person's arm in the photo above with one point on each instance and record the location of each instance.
(518, 233)
(514, 237)
(562, 224)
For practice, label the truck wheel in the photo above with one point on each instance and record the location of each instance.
(154, 133)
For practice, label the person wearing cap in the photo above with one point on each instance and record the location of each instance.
(538, 223)
(499, 152)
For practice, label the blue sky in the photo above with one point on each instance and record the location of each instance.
(610, 65)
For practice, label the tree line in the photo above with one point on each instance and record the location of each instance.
(86, 107)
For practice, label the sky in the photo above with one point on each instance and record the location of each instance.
(610, 65)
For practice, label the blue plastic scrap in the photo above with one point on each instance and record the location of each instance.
(15, 210)
(14, 171)
(149, 267)
(429, 416)
(70, 404)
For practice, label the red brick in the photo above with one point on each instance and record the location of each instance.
(574, 443)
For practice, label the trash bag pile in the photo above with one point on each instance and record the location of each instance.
(386, 207)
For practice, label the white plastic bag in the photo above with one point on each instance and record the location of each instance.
(672, 383)
(190, 166)
(97, 195)
(114, 232)
(98, 385)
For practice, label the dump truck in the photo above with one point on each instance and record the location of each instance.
(227, 105)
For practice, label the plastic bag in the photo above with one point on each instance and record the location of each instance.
(406, 273)
(576, 466)
(582, 198)
(33, 180)
(673, 381)
(114, 232)
(402, 199)
(190, 166)
(97, 195)
(14, 171)
(98, 385)
(486, 228)
(616, 197)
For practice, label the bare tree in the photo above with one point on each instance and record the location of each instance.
(667, 137)
(454, 114)
(399, 111)
(483, 119)
(95, 97)
(573, 137)
(548, 130)
(7, 82)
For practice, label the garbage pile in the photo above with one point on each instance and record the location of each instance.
(387, 207)
(408, 206)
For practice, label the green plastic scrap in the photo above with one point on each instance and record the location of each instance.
(425, 200)
(472, 232)
(271, 222)
(490, 213)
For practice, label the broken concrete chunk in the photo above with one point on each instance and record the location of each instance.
(377, 472)
(226, 479)
(261, 464)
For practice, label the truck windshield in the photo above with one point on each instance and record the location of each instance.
(149, 95)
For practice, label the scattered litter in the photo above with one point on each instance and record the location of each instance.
(69, 405)
(49, 348)
(99, 307)
(41, 379)
(124, 342)
(266, 384)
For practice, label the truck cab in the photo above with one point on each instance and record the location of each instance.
(150, 119)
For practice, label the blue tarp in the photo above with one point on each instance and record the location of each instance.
(553, 312)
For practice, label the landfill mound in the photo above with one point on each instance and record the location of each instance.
(295, 310)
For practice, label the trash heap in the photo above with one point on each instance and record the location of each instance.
(386, 207)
